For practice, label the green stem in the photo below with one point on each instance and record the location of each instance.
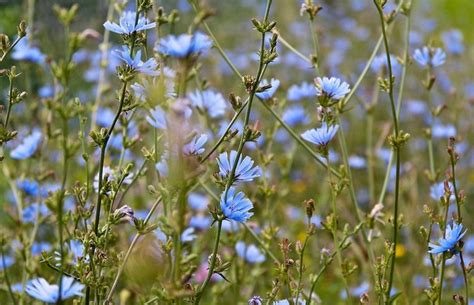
(397, 152)
(129, 251)
(7, 279)
(212, 264)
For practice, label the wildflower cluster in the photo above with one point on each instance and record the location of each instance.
(179, 152)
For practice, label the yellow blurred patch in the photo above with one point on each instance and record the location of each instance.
(400, 251)
(299, 186)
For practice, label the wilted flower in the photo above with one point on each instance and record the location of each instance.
(41, 290)
(268, 93)
(28, 147)
(429, 57)
(454, 233)
(184, 45)
(136, 64)
(127, 24)
(244, 170)
(236, 206)
(124, 212)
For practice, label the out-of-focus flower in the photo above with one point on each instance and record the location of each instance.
(356, 162)
(157, 118)
(443, 131)
(6, 261)
(453, 41)
(454, 233)
(188, 235)
(28, 147)
(321, 136)
(244, 170)
(305, 90)
(268, 93)
(29, 186)
(250, 253)
(236, 206)
(432, 57)
(331, 88)
(184, 45)
(31, 212)
(380, 63)
(294, 115)
(196, 146)
(437, 191)
(255, 300)
(41, 290)
(23, 51)
(198, 201)
(209, 101)
(127, 24)
(148, 67)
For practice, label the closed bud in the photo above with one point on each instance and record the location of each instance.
(21, 29)
(235, 101)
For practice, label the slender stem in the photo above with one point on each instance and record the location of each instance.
(212, 265)
(10, 102)
(11, 48)
(221, 139)
(291, 48)
(466, 279)
(300, 269)
(396, 149)
(7, 279)
(334, 229)
(129, 250)
(102, 67)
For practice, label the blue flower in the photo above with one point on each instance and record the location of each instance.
(157, 118)
(28, 147)
(454, 233)
(249, 253)
(29, 186)
(295, 115)
(305, 90)
(200, 222)
(77, 249)
(196, 146)
(429, 57)
(244, 170)
(6, 261)
(453, 41)
(41, 290)
(331, 88)
(105, 117)
(198, 201)
(380, 62)
(188, 235)
(148, 67)
(184, 45)
(437, 191)
(321, 136)
(443, 131)
(255, 300)
(267, 94)
(127, 24)
(31, 212)
(23, 51)
(209, 101)
(236, 206)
